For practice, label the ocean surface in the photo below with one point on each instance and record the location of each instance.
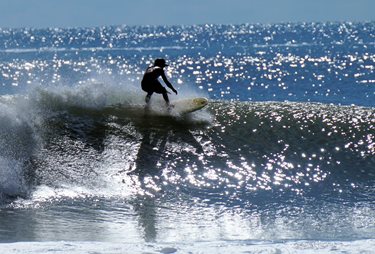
(282, 160)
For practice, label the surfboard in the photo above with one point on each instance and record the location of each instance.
(186, 106)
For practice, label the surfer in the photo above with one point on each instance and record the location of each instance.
(151, 84)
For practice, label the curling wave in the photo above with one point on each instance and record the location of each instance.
(100, 136)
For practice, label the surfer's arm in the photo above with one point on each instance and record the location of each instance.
(167, 82)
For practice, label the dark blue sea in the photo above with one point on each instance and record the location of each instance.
(282, 159)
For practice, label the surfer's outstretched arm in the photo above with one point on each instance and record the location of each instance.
(168, 83)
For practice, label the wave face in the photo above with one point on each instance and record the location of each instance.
(232, 147)
(246, 148)
(283, 151)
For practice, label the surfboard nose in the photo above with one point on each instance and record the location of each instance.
(200, 101)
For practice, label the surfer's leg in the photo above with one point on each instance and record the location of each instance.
(147, 87)
(161, 90)
(148, 97)
(165, 96)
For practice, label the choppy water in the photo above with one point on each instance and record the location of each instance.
(281, 160)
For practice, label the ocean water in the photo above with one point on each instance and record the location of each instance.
(282, 160)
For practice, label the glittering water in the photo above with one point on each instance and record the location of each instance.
(281, 159)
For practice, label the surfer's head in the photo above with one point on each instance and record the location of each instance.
(160, 62)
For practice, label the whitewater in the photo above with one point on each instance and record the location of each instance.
(280, 161)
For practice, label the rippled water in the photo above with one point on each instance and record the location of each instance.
(325, 62)
(281, 160)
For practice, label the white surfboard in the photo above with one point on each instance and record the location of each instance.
(189, 105)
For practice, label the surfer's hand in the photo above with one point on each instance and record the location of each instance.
(174, 90)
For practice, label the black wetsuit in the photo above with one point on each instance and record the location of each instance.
(151, 84)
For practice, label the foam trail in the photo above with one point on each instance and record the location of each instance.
(88, 95)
